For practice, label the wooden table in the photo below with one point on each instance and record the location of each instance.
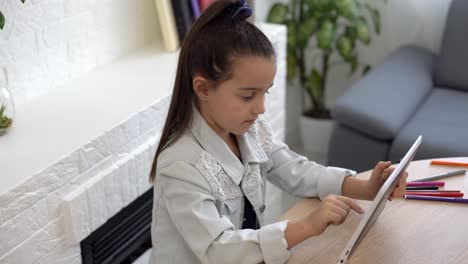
(407, 231)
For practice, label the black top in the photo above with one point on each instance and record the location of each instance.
(250, 217)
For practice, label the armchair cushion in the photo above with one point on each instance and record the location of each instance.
(442, 122)
(381, 103)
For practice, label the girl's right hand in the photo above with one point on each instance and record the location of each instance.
(333, 210)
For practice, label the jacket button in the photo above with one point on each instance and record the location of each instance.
(262, 208)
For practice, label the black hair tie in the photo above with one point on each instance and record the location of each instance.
(242, 9)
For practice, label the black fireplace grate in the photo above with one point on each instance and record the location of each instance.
(124, 237)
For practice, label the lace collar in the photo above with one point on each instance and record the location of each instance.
(250, 148)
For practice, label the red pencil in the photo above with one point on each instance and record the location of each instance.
(442, 191)
(438, 194)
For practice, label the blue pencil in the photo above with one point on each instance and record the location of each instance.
(434, 198)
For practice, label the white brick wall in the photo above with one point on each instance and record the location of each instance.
(46, 43)
(50, 213)
(43, 219)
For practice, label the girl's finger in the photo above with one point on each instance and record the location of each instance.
(402, 181)
(381, 165)
(351, 203)
(340, 211)
(387, 172)
(335, 218)
(342, 204)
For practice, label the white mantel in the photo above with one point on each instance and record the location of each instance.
(78, 154)
(51, 126)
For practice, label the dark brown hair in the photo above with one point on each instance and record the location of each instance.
(217, 36)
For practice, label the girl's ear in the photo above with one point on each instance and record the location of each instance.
(201, 87)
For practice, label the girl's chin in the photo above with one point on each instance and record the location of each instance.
(241, 131)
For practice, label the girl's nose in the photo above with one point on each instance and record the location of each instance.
(259, 107)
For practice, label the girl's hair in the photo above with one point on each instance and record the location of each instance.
(219, 35)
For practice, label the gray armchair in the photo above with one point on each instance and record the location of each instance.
(412, 92)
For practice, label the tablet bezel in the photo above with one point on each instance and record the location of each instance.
(379, 202)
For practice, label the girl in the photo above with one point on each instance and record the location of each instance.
(216, 152)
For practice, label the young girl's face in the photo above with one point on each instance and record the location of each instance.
(235, 104)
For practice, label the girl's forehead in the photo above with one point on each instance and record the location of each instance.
(253, 70)
(251, 65)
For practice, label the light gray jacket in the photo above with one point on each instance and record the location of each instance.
(198, 196)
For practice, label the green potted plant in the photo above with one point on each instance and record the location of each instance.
(323, 30)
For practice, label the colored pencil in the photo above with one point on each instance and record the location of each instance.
(442, 175)
(434, 198)
(449, 163)
(420, 184)
(439, 194)
(423, 188)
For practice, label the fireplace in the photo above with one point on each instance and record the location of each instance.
(124, 237)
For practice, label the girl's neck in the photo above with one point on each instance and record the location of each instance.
(228, 138)
(225, 135)
(234, 146)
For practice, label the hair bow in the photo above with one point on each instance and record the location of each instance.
(242, 8)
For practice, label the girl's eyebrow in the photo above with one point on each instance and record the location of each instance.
(253, 89)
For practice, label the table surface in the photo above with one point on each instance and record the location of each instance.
(407, 231)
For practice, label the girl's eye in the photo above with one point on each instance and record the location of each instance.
(247, 98)
(250, 97)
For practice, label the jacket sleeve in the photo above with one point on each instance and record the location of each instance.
(297, 175)
(211, 236)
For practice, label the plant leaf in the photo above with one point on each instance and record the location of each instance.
(366, 69)
(315, 83)
(306, 29)
(291, 66)
(326, 34)
(363, 30)
(2, 20)
(2, 110)
(314, 12)
(375, 14)
(345, 47)
(292, 36)
(347, 8)
(291, 48)
(5, 122)
(278, 13)
(321, 5)
(351, 32)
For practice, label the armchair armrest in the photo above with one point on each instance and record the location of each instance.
(382, 101)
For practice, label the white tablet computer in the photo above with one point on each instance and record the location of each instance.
(379, 203)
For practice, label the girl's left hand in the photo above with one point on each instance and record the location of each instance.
(380, 173)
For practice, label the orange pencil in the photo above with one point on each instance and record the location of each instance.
(449, 163)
